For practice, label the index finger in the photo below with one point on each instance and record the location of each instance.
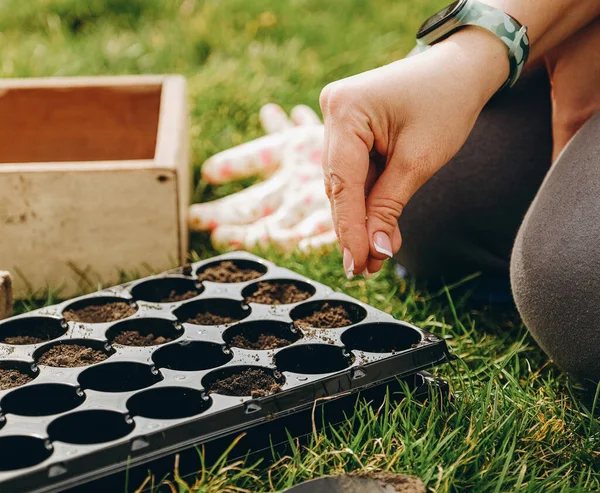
(347, 163)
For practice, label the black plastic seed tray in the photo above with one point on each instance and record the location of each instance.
(268, 440)
(126, 404)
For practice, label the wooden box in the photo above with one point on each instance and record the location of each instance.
(94, 179)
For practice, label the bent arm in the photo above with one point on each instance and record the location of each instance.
(549, 22)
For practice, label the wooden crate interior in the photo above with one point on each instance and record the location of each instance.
(57, 124)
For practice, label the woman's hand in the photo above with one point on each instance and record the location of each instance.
(387, 131)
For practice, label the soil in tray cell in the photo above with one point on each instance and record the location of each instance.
(18, 340)
(228, 272)
(143, 332)
(328, 317)
(212, 311)
(208, 318)
(135, 338)
(97, 313)
(175, 296)
(32, 330)
(71, 355)
(264, 341)
(254, 382)
(278, 293)
(10, 378)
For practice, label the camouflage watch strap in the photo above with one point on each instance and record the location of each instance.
(507, 28)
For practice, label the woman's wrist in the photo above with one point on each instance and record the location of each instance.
(481, 56)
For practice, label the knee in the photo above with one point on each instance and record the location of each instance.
(436, 244)
(556, 288)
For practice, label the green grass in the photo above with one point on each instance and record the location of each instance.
(514, 424)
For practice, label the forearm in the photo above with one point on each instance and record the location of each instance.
(481, 57)
(549, 22)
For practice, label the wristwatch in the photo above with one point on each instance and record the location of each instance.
(474, 13)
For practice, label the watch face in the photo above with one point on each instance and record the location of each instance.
(440, 18)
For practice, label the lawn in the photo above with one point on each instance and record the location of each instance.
(515, 423)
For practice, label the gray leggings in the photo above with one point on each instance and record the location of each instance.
(499, 195)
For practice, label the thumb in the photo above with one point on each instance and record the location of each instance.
(385, 202)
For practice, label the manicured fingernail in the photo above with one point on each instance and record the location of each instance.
(382, 243)
(366, 274)
(348, 264)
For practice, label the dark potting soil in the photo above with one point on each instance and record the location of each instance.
(228, 272)
(175, 295)
(401, 483)
(254, 382)
(278, 293)
(40, 331)
(12, 378)
(71, 355)
(264, 341)
(207, 318)
(136, 338)
(186, 270)
(18, 340)
(105, 312)
(327, 317)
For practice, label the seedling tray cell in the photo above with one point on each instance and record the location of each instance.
(139, 371)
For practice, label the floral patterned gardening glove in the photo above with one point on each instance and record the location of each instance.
(289, 209)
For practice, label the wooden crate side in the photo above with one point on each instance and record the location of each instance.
(77, 229)
(6, 296)
(173, 147)
(85, 81)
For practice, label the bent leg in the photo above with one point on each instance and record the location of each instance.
(555, 266)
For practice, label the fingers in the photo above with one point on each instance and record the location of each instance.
(258, 157)
(385, 203)
(348, 163)
(273, 119)
(373, 266)
(304, 115)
